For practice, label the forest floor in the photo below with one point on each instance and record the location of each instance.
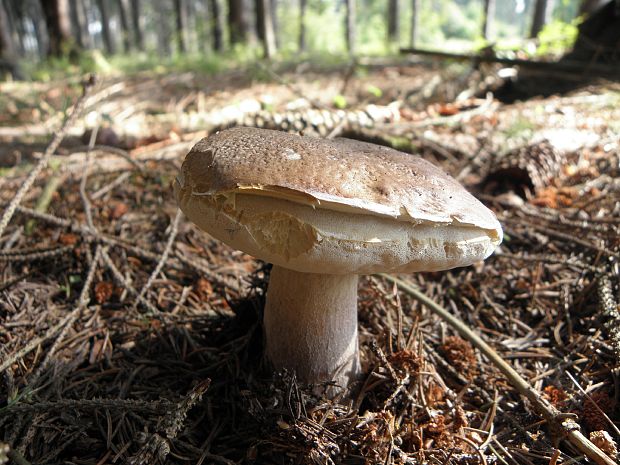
(127, 335)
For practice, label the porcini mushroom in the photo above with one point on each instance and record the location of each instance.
(323, 212)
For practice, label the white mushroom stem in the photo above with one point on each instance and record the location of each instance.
(311, 325)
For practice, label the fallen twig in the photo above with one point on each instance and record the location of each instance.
(154, 406)
(174, 228)
(609, 309)
(157, 446)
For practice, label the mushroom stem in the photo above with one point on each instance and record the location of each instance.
(311, 325)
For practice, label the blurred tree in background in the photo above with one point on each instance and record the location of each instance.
(86, 31)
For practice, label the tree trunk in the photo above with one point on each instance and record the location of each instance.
(542, 14)
(56, 14)
(264, 27)
(7, 45)
(303, 4)
(164, 33)
(15, 14)
(488, 30)
(590, 6)
(598, 41)
(137, 24)
(260, 19)
(274, 22)
(180, 15)
(35, 12)
(80, 24)
(8, 61)
(191, 29)
(413, 35)
(217, 25)
(350, 26)
(237, 22)
(106, 35)
(393, 21)
(123, 10)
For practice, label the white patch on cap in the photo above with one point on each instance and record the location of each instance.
(290, 154)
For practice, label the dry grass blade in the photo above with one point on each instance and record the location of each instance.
(174, 228)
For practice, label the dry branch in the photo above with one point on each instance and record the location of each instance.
(174, 228)
(575, 68)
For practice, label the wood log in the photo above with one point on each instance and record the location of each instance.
(575, 68)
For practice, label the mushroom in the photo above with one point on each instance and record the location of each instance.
(323, 212)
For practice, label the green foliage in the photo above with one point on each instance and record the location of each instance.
(522, 128)
(340, 102)
(461, 22)
(452, 25)
(95, 61)
(557, 37)
(374, 91)
(55, 67)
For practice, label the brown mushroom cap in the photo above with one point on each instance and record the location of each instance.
(332, 206)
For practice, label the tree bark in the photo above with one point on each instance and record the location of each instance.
(15, 14)
(598, 41)
(237, 22)
(58, 24)
(137, 24)
(35, 12)
(106, 35)
(264, 27)
(8, 61)
(123, 10)
(80, 24)
(488, 30)
(7, 46)
(180, 14)
(590, 6)
(164, 33)
(303, 5)
(275, 23)
(350, 26)
(393, 23)
(415, 8)
(217, 25)
(542, 14)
